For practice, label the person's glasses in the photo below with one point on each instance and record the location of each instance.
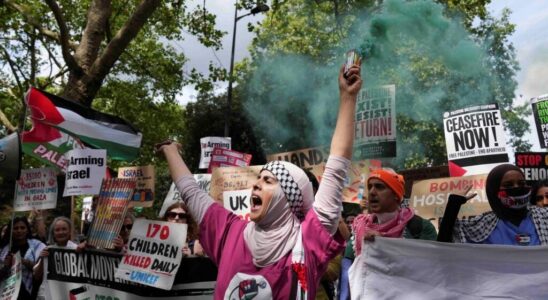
(127, 227)
(172, 215)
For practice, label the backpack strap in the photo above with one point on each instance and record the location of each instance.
(414, 226)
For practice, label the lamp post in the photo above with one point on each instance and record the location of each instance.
(257, 9)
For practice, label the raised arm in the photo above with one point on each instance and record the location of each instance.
(196, 199)
(328, 204)
(455, 201)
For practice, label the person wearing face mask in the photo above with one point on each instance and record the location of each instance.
(511, 221)
(285, 249)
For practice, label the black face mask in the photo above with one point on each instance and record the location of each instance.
(515, 198)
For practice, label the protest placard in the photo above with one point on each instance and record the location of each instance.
(533, 164)
(314, 159)
(207, 144)
(173, 196)
(144, 191)
(11, 283)
(412, 175)
(112, 206)
(85, 171)
(540, 113)
(153, 254)
(232, 179)
(228, 158)
(86, 207)
(375, 129)
(475, 139)
(36, 188)
(92, 273)
(429, 197)
(238, 202)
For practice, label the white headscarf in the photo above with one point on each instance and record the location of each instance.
(276, 234)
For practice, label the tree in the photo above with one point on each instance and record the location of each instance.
(437, 58)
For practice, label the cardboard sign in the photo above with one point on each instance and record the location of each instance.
(533, 164)
(375, 127)
(540, 113)
(238, 202)
(475, 140)
(228, 158)
(36, 188)
(232, 179)
(10, 285)
(207, 144)
(112, 206)
(153, 254)
(144, 192)
(412, 175)
(429, 197)
(314, 159)
(173, 196)
(85, 171)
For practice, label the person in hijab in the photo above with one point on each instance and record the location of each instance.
(511, 221)
(285, 249)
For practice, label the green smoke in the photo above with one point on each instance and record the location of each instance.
(432, 59)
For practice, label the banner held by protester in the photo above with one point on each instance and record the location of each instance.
(475, 139)
(207, 144)
(36, 189)
(144, 191)
(154, 253)
(85, 171)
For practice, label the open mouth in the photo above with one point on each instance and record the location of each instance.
(256, 203)
(373, 201)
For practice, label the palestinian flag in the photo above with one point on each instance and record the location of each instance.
(61, 123)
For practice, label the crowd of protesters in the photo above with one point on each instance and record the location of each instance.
(299, 243)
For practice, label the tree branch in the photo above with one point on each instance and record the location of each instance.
(44, 31)
(97, 17)
(121, 40)
(13, 70)
(7, 122)
(64, 36)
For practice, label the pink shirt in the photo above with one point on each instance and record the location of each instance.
(221, 234)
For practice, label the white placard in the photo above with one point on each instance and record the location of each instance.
(154, 253)
(11, 284)
(36, 188)
(207, 144)
(86, 169)
(86, 207)
(238, 202)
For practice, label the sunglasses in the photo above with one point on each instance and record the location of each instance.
(172, 215)
(127, 227)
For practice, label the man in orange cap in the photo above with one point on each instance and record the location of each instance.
(386, 217)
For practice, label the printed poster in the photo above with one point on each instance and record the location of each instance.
(228, 158)
(238, 202)
(475, 139)
(154, 253)
(36, 188)
(86, 169)
(540, 113)
(429, 197)
(534, 165)
(112, 206)
(10, 285)
(173, 196)
(314, 160)
(144, 192)
(375, 134)
(207, 144)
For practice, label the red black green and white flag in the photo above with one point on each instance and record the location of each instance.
(60, 125)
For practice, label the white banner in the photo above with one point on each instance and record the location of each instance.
(154, 253)
(207, 144)
(390, 268)
(238, 202)
(10, 285)
(86, 169)
(173, 196)
(36, 188)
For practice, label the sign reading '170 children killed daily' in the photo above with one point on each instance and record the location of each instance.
(154, 253)
(475, 140)
(85, 171)
(540, 112)
(375, 134)
(36, 188)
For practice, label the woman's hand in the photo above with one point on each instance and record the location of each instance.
(352, 83)
(370, 235)
(167, 146)
(465, 196)
(186, 250)
(118, 243)
(44, 253)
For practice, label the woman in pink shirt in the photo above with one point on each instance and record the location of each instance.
(284, 250)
